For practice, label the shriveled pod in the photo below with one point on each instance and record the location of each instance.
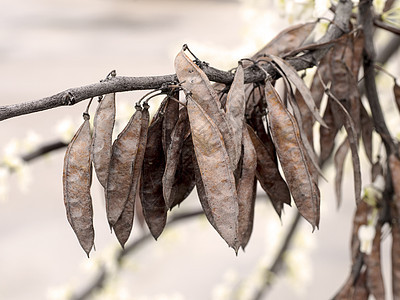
(292, 156)
(195, 80)
(246, 189)
(395, 249)
(119, 181)
(77, 179)
(216, 173)
(185, 179)
(268, 175)
(235, 109)
(151, 193)
(103, 122)
(173, 154)
(123, 226)
(171, 116)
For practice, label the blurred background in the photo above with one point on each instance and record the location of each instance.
(50, 46)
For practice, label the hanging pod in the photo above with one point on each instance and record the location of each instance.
(77, 179)
(103, 124)
(124, 151)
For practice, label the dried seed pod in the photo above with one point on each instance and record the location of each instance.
(151, 192)
(123, 226)
(287, 40)
(367, 127)
(292, 156)
(173, 154)
(395, 249)
(103, 122)
(235, 109)
(123, 155)
(171, 117)
(339, 159)
(292, 75)
(396, 92)
(185, 179)
(268, 175)
(216, 173)
(373, 263)
(195, 80)
(77, 179)
(246, 189)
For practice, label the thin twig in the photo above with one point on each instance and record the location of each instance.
(123, 84)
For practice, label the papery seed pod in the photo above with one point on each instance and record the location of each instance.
(292, 156)
(246, 189)
(119, 181)
(103, 123)
(268, 175)
(216, 173)
(171, 116)
(235, 109)
(195, 80)
(185, 179)
(123, 226)
(339, 160)
(151, 192)
(178, 135)
(77, 179)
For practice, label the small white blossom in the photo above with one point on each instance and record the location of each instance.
(366, 235)
(66, 129)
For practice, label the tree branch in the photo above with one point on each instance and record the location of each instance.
(123, 84)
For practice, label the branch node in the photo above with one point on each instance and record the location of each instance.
(69, 99)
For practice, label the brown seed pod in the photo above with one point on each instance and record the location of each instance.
(292, 156)
(395, 249)
(185, 179)
(123, 226)
(268, 175)
(77, 179)
(373, 263)
(123, 155)
(339, 160)
(103, 122)
(246, 189)
(151, 191)
(171, 116)
(287, 40)
(216, 173)
(195, 80)
(235, 109)
(173, 154)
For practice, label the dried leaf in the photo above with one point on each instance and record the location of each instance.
(153, 204)
(195, 80)
(103, 122)
(235, 109)
(123, 155)
(246, 189)
(292, 75)
(171, 116)
(268, 175)
(339, 160)
(216, 173)
(123, 226)
(292, 156)
(77, 179)
(178, 135)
